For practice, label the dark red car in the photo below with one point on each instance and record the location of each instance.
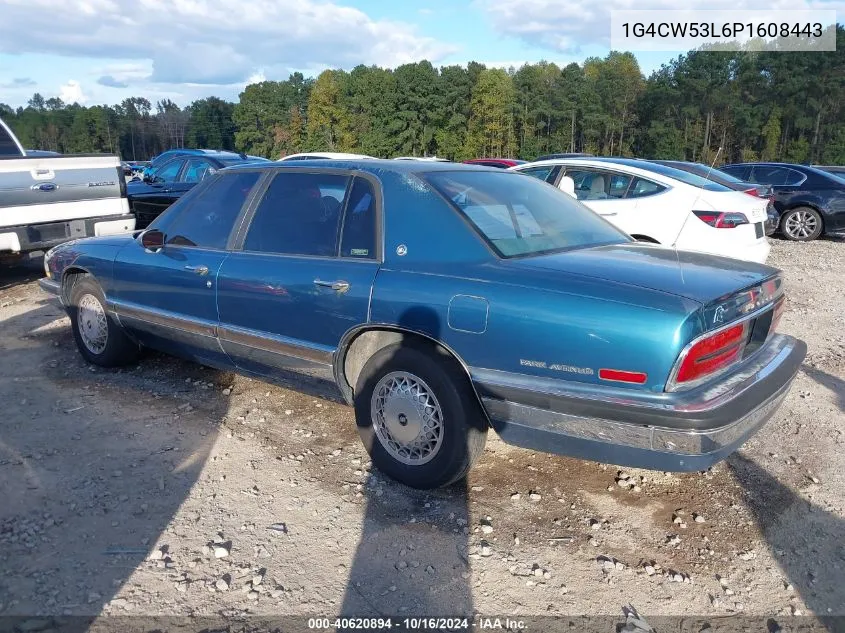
(502, 163)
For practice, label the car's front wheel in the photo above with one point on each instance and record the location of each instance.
(418, 416)
(99, 339)
(801, 224)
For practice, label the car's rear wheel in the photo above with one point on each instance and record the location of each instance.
(418, 416)
(801, 224)
(99, 339)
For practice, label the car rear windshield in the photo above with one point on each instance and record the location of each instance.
(519, 215)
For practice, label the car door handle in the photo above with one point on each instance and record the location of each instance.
(608, 214)
(338, 285)
(200, 270)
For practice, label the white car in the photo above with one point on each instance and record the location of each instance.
(323, 156)
(655, 203)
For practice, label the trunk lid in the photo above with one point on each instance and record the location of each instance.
(703, 278)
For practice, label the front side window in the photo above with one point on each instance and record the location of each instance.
(196, 170)
(738, 171)
(522, 216)
(299, 215)
(598, 185)
(210, 217)
(168, 172)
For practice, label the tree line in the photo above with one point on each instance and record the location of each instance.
(786, 106)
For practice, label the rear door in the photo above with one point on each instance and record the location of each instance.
(302, 276)
(168, 298)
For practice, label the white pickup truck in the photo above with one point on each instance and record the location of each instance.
(46, 200)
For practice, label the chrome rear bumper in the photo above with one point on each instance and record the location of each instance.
(680, 431)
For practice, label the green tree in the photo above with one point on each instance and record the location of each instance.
(491, 129)
(329, 124)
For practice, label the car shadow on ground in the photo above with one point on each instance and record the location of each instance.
(93, 470)
(807, 540)
(20, 272)
(834, 383)
(412, 559)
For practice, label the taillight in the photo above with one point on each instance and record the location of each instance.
(752, 192)
(713, 353)
(727, 220)
(777, 314)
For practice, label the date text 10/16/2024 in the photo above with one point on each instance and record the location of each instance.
(416, 624)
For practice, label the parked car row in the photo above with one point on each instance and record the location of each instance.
(656, 203)
(532, 315)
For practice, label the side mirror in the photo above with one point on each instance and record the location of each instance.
(152, 240)
(567, 185)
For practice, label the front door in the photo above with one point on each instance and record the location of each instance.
(604, 192)
(303, 275)
(168, 298)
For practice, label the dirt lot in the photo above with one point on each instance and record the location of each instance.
(172, 489)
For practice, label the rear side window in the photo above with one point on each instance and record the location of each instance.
(547, 172)
(766, 175)
(643, 188)
(8, 147)
(358, 236)
(299, 215)
(210, 218)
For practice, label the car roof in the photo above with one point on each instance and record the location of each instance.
(328, 155)
(372, 165)
(805, 169)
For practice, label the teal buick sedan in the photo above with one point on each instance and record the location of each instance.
(444, 300)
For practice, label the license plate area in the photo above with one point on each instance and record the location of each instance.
(759, 230)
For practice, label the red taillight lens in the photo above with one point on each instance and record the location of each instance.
(727, 220)
(713, 353)
(752, 192)
(777, 314)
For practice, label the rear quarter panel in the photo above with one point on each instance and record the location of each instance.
(564, 329)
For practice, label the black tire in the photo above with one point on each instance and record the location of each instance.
(801, 224)
(118, 349)
(463, 424)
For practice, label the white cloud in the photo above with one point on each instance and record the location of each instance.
(215, 42)
(568, 26)
(71, 92)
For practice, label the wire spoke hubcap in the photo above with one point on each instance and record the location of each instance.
(93, 327)
(801, 224)
(407, 418)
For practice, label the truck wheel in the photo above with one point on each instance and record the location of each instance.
(418, 416)
(801, 224)
(99, 339)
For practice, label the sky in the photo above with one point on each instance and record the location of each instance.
(102, 51)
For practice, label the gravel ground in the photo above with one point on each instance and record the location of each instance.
(172, 489)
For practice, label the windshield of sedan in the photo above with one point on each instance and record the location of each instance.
(519, 215)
